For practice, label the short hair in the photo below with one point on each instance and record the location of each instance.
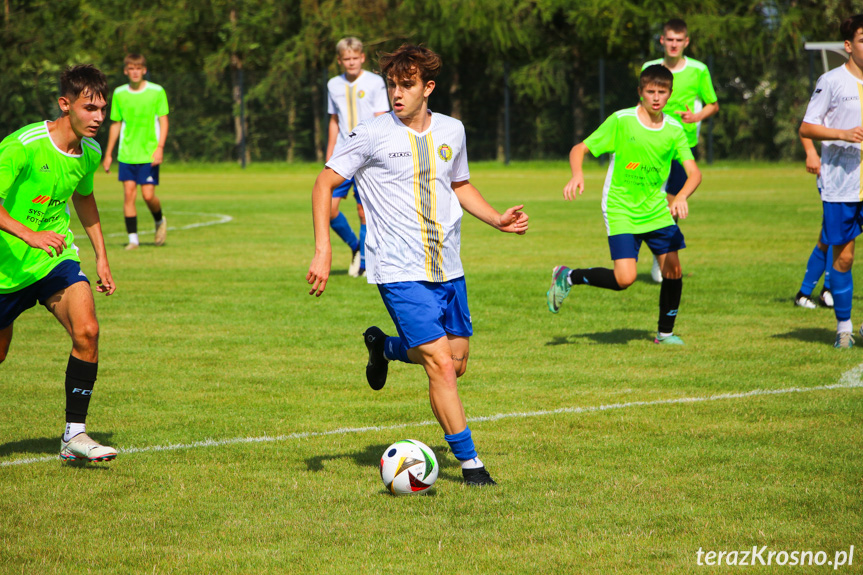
(675, 25)
(656, 74)
(409, 60)
(350, 43)
(135, 58)
(84, 79)
(850, 26)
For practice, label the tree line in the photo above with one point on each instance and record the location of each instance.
(249, 76)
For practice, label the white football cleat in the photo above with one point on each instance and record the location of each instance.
(354, 268)
(83, 447)
(656, 271)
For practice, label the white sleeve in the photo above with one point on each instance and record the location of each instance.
(460, 170)
(331, 104)
(382, 98)
(351, 154)
(819, 103)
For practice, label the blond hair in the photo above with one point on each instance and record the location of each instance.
(349, 44)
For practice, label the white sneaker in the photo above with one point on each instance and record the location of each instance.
(801, 300)
(656, 271)
(83, 447)
(354, 268)
(161, 232)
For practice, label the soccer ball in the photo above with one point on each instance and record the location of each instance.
(408, 467)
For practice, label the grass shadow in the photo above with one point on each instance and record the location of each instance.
(809, 334)
(614, 337)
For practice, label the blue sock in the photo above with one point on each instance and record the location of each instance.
(362, 246)
(843, 290)
(395, 349)
(828, 268)
(341, 226)
(815, 268)
(461, 445)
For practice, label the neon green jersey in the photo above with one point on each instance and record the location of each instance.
(693, 88)
(633, 198)
(36, 182)
(139, 112)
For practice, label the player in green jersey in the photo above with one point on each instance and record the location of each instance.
(644, 141)
(42, 166)
(692, 101)
(139, 111)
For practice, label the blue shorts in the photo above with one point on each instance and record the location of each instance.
(344, 188)
(841, 222)
(142, 174)
(677, 177)
(426, 311)
(661, 241)
(13, 304)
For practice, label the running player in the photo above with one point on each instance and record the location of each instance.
(693, 100)
(42, 166)
(139, 111)
(413, 173)
(354, 96)
(833, 117)
(644, 141)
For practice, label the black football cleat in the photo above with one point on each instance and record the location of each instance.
(376, 369)
(478, 477)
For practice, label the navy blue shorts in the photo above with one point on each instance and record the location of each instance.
(13, 304)
(661, 241)
(426, 311)
(841, 222)
(677, 177)
(142, 174)
(344, 188)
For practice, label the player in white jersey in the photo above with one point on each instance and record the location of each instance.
(834, 117)
(413, 174)
(353, 97)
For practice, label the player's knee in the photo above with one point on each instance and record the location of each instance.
(844, 262)
(460, 366)
(624, 279)
(672, 273)
(85, 335)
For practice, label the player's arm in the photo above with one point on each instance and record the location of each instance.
(332, 135)
(322, 196)
(113, 136)
(575, 186)
(88, 214)
(512, 220)
(813, 161)
(690, 117)
(50, 242)
(163, 137)
(823, 133)
(680, 207)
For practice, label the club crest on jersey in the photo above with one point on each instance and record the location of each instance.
(444, 152)
(361, 94)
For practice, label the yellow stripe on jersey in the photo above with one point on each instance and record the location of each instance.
(860, 101)
(422, 150)
(351, 98)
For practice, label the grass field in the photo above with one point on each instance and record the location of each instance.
(250, 440)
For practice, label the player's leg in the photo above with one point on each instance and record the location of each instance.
(130, 193)
(361, 213)
(665, 244)
(339, 223)
(841, 225)
(5, 341)
(815, 268)
(148, 191)
(75, 309)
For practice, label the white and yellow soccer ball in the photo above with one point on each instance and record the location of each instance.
(408, 467)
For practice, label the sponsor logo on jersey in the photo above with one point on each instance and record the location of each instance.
(361, 94)
(41, 199)
(352, 134)
(632, 165)
(45, 168)
(444, 152)
(400, 155)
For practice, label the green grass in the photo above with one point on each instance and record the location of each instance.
(214, 336)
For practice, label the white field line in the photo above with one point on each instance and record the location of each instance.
(849, 380)
(220, 219)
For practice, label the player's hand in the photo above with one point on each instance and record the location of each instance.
(50, 242)
(513, 221)
(854, 135)
(574, 187)
(157, 157)
(687, 116)
(106, 163)
(319, 272)
(104, 282)
(813, 164)
(679, 208)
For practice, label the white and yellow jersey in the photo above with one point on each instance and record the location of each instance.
(836, 103)
(413, 217)
(356, 101)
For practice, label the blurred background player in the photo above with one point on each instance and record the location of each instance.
(821, 253)
(412, 167)
(42, 166)
(833, 116)
(644, 141)
(353, 96)
(139, 111)
(692, 100)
